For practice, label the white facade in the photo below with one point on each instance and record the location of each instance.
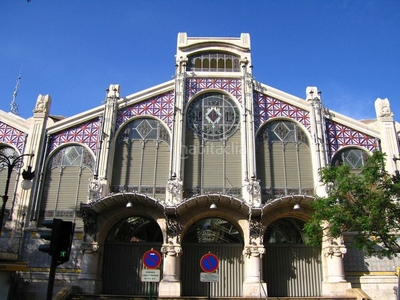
(213, 135)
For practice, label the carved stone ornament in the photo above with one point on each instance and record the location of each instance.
(95, 189)
(174, 186)
(382, 107)
(90, 248)
(42, 103)
(254, 188)
(335, 249)
(89, 222)
(254, 251)
(171, 249)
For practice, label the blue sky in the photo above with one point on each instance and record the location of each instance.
(73, 50)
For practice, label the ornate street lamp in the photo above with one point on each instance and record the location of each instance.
(10, 162)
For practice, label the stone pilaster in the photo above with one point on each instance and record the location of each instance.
(389, 138)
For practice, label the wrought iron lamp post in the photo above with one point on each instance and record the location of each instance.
(10, 162)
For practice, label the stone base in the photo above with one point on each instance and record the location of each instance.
(335, 288)
(255, 289)
(169, 289)
(89, 286)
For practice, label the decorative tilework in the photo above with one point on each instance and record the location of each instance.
(161, 107)
(340, 136)
(266, 107)
(86, 133)
(10, 135)
(232, 86)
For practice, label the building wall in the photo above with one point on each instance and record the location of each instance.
(155, 149)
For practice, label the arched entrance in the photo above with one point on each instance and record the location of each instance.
(222, 238)
(124, 247)
(291, 268)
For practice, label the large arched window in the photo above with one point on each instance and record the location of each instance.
(213, 230)
(212, 154)
(66, 183)
(283, 159)
(141, 160)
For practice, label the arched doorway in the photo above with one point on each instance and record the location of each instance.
(291, 268)
(223, 239)
(125, 245)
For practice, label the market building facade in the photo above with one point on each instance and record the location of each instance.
(212, 161)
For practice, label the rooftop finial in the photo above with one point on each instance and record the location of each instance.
(14, 105)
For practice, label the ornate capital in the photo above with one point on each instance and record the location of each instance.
(90, 248)
(335, 248)
(171, 249)
(254, 251)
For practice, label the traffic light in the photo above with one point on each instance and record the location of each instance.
(65, 237)
(60, 237)
(51, 236)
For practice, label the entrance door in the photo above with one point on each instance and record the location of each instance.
(126, 243)
(291, 269)
(217, 236)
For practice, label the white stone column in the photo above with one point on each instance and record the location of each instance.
(170, 285)
(334, 283)
(253, 286)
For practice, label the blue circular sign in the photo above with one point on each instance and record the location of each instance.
(209, 262)
(151, 259)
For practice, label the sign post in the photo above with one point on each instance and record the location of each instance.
(151, 260)
(209, 264)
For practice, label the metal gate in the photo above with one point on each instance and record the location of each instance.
(122, 266)
(230, 270)
(292, 270)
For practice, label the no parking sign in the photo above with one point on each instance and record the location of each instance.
(209, 263)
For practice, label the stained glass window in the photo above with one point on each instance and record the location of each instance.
(213, 116)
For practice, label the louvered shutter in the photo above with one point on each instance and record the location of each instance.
(50, 192)
(162, 167)
(277, 166)
(291, 166)
(149, 162)
(192, 162)
(213, 164)
(305, 165)
(233, 164)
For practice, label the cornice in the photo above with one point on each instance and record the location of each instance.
(15, 121)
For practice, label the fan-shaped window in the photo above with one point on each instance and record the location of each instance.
(352, 157)
(212, 230)
(213, 147)
(141, 157)
(283, 159)
(135, 229)
(214, 62)
(66, 183)
(285, 231)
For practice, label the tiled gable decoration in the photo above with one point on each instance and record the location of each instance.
(232, 86)
(86, 133)
(266, 107)
(161, 107)
(13, 136)
(340, 135)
